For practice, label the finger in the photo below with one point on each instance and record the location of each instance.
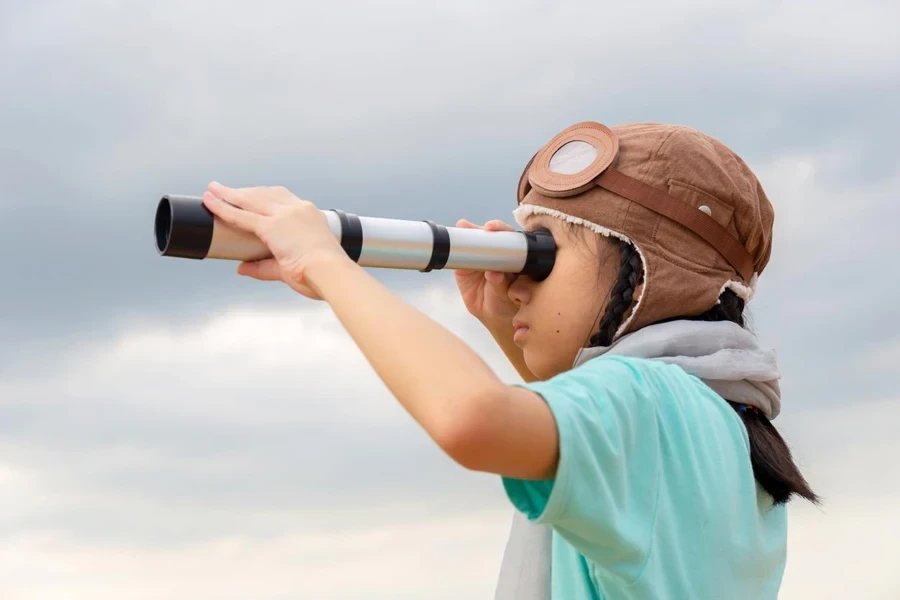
(237, 217)
(282, 195)
(500, 281)
(494, 277)
(268, 269)
(463, 224)
(252, 199)
(264, 270)
(498, 225)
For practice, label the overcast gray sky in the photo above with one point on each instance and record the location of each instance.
(169, 429)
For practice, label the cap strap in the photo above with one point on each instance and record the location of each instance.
(680, 212)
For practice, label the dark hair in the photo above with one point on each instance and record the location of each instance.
(770, 457)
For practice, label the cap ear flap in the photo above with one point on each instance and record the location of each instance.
(524, 182)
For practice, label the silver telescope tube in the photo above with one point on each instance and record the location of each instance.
(185, 228)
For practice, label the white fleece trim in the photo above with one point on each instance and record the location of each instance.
(524, 210)
(743, 291)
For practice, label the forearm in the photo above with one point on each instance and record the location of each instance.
(429, 370)
(503, 335)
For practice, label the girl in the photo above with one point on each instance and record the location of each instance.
(638, 453)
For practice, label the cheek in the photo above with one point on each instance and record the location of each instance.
(571, 313)
(569, 300)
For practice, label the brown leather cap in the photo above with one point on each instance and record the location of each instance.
(694, 210)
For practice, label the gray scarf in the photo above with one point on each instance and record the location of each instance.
(725, 356)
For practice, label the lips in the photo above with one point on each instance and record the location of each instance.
(521, 328)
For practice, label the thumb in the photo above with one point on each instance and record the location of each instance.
(266, 269)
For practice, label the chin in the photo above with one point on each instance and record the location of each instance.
(541, 365)
(545, 365)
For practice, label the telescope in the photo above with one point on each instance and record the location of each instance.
(185, 228)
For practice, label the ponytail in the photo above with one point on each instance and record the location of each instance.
(770, 457)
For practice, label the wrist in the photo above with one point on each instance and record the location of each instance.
(322, 267)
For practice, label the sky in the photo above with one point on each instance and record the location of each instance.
(169, 429)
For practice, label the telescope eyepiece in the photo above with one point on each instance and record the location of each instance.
(541, 254)
(183, 227)
(163, 225)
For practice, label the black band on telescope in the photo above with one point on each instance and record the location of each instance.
(541, 254)
(440, 247)
(183, 227)
(351, 234)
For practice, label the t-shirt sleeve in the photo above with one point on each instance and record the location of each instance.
(603, 498)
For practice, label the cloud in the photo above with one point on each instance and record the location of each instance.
(244, 410)
(171, 429)
(821, 300)
(881, 358)
(444, 558)
(403, 110)
(254, 450)
(315, 91)
(844, 453)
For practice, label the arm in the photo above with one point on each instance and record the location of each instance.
(479, 421)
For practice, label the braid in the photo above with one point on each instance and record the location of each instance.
(631, 273)
(770, 458)
(729, 308)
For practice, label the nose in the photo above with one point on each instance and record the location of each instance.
(520, 290)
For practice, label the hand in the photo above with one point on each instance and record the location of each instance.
(294, 230)
(486, 293)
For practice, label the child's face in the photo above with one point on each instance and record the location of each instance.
(564, 310)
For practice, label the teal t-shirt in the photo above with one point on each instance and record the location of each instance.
(654, 495)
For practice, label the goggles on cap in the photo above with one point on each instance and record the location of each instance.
(581, 157)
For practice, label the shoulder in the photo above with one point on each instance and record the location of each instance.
(623, 392)
(682, 404)
(627, 376)
(639, 386)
